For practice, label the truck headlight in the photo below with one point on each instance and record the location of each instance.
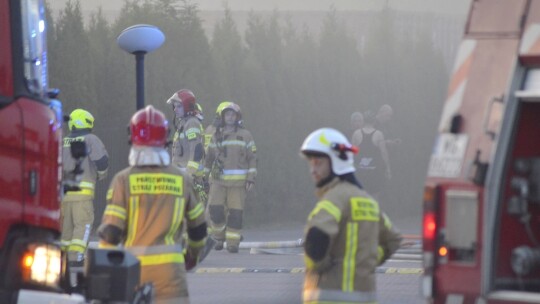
(42, 264)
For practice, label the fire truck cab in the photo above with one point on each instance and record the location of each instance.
(30, 139)
(481, 220)
(33, 269)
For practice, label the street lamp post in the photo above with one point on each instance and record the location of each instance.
(138, 40)
(139, 74)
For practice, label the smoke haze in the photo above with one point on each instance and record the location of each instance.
(293, 66)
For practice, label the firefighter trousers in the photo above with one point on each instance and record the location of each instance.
(169, 280)
(226, 207)
(77, 220)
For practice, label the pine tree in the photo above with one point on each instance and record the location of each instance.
(228, 53)
(70, 64)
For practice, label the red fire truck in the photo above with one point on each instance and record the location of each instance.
(32, 267)
(481, 220)
(30, 160)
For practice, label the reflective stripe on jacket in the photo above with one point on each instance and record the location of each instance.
(86, 189)
(208, 133)
(157, 255)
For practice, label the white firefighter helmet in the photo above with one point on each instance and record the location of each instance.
(333, 144)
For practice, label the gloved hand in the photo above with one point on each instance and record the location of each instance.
(206, 185)
(198, 186)
(190, 261)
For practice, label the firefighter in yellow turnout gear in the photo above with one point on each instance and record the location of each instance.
(208, 134)
(187, 149)
(217, 123)
(347, 235)
(78, 206)
(147, 205)
(231, 163)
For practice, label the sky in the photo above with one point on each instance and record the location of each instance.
(449, 6)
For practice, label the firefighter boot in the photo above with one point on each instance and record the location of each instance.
(219, 245)
(233, 239)
(232, 248)
(75, 259)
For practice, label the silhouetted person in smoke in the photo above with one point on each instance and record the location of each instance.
(382, 119)
(374, 165)
(357, 122)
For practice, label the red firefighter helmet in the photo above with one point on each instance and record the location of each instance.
(149, 127)
(186, 97)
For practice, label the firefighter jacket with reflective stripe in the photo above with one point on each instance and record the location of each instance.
(187, 149)
(149, 205)
(208, 133)
(94, 166)
(231, 157)
(360, 238)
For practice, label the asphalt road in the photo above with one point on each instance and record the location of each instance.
(256, 276)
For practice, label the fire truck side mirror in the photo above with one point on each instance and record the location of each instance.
(78, 149)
